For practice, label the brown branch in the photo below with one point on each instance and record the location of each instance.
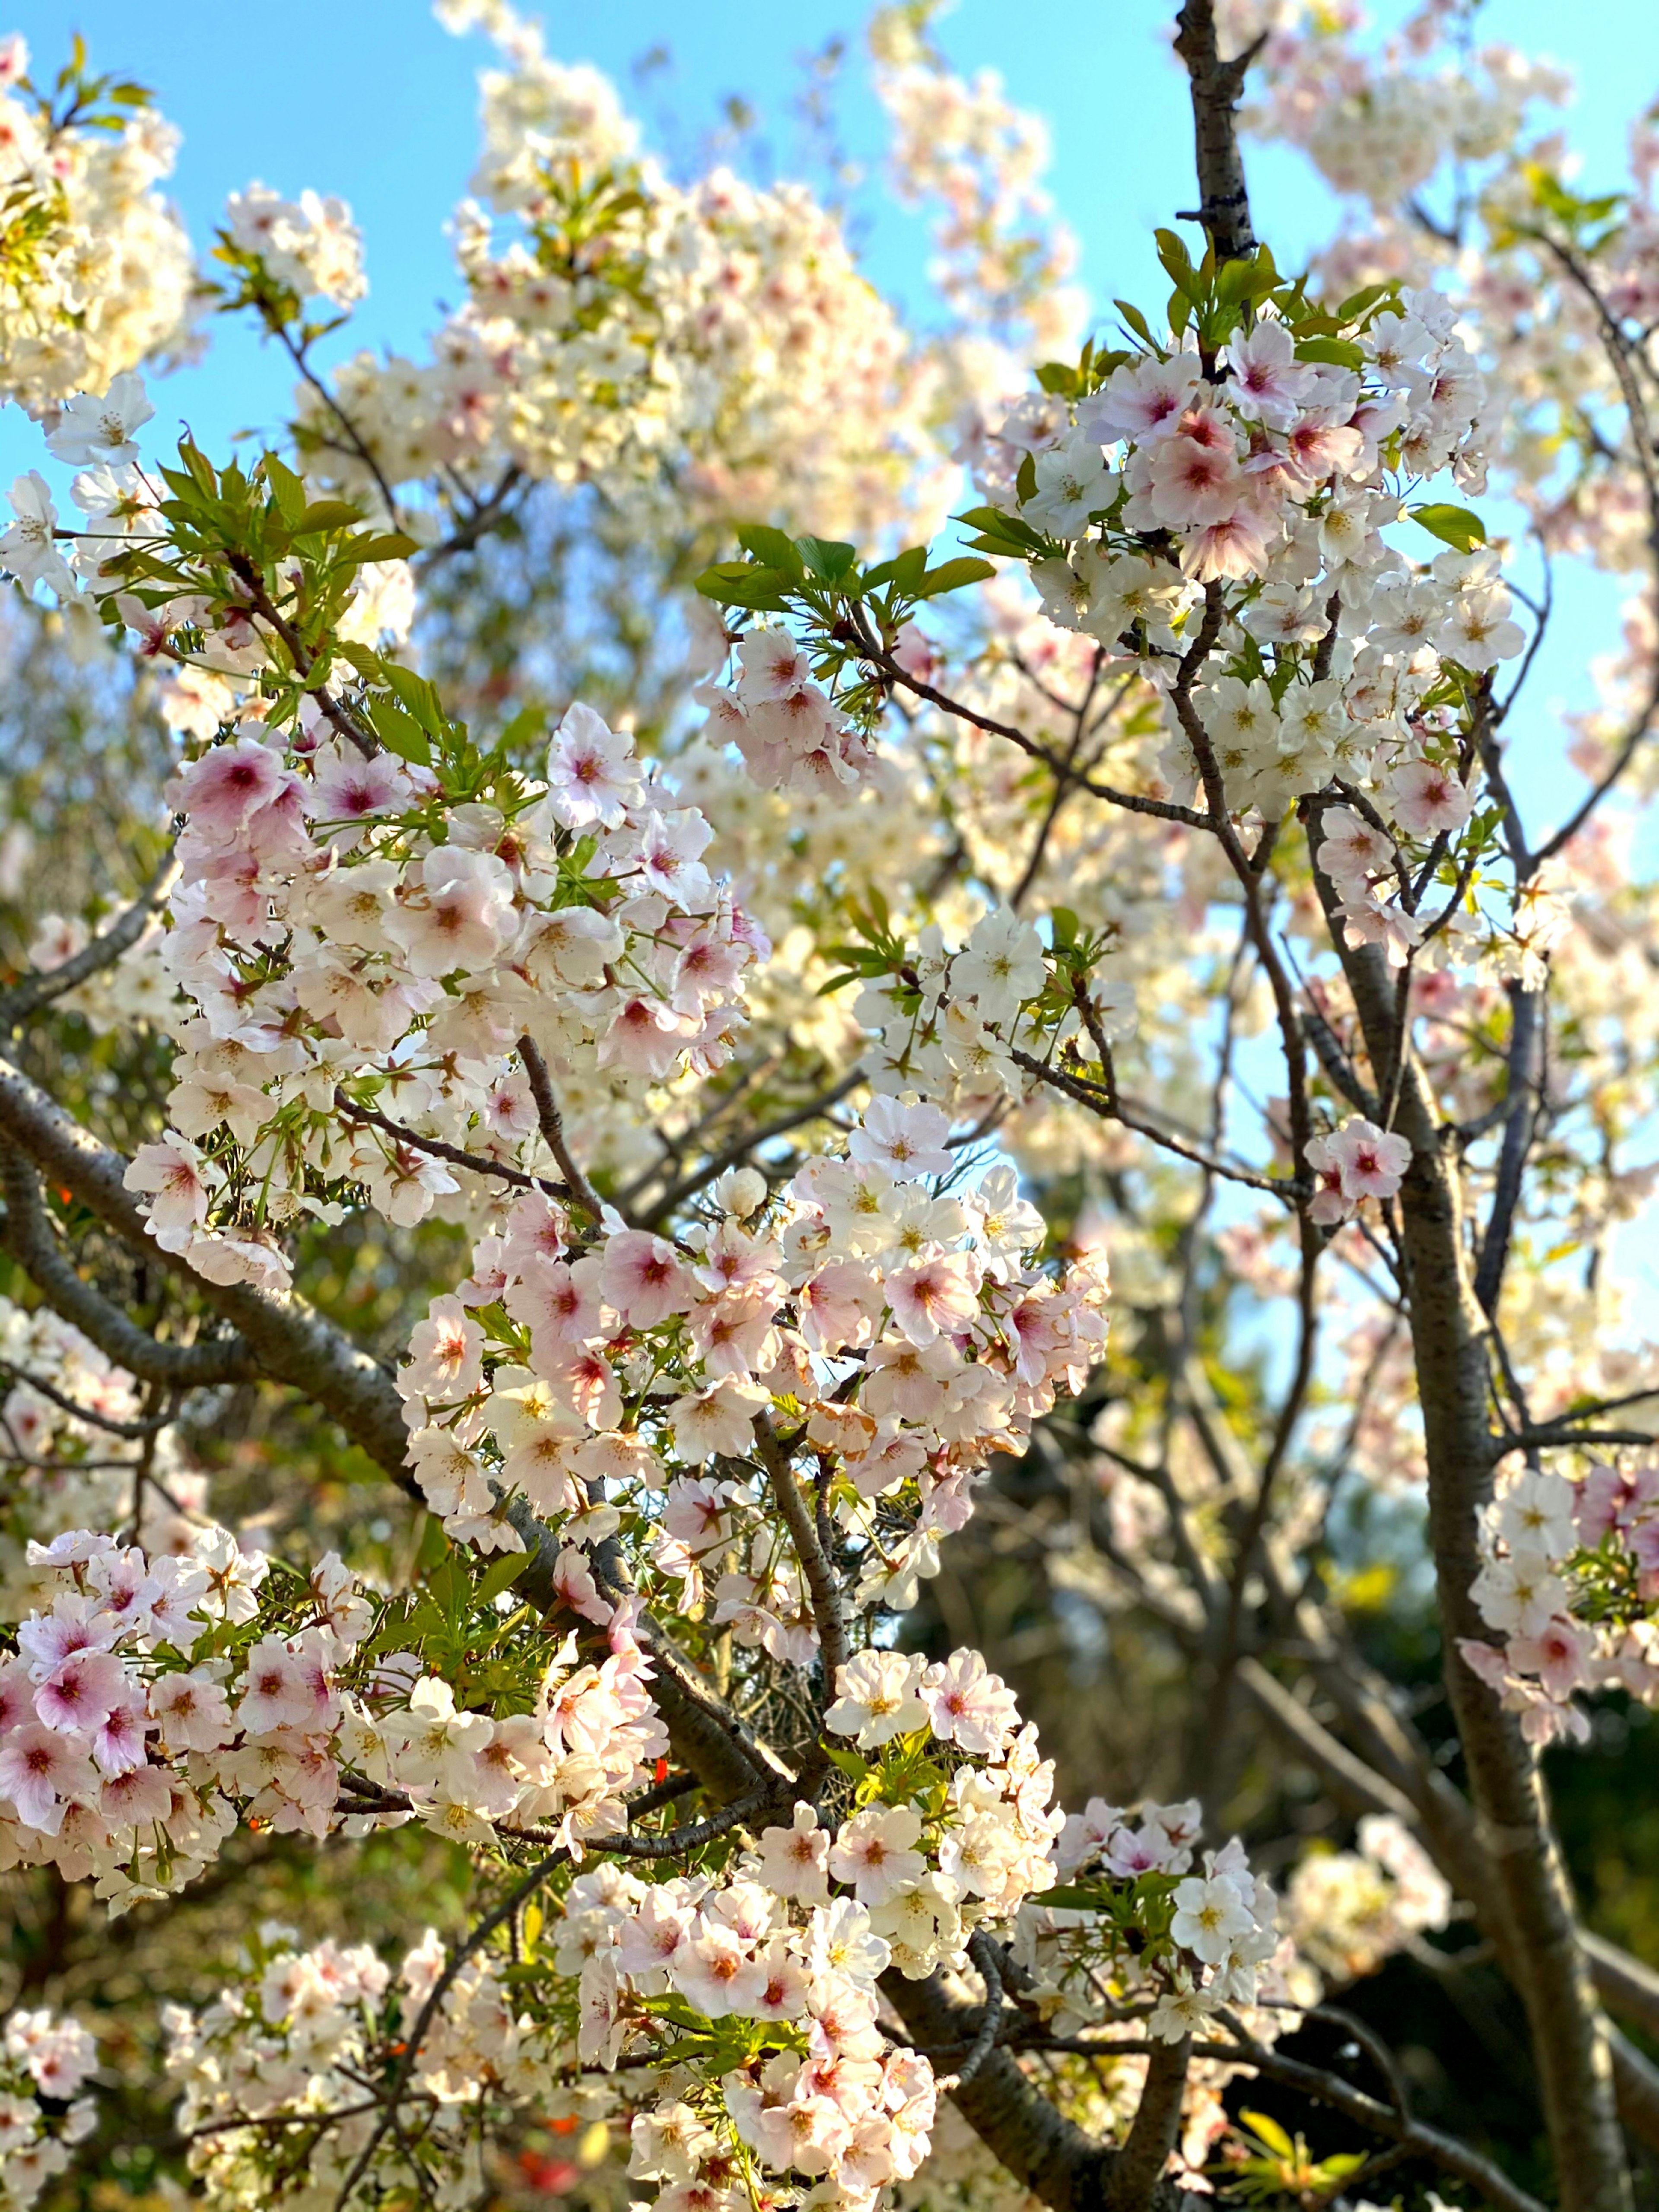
(27, 1235)
(1102, 1100)
(1056, 762)
(581, 1191)
(740, 1147)
(455, 1154)
(282, 1339)
(38, 987)
(1154, 2132)
(1224, 202)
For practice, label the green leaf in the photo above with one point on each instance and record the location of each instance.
(827, 556)
(772, 548)
(1362, 301)
(1178, 264)
(286, 489)
(849, 1762)
(383, 545)
(1055, 376)
(419, 697)
(1341, 353)
(1452, 526)
(327, 514)
(905, 569)
(500, 1574)
(1270, 2132)
(1069, 1897)
(952, 576)
(399, 732)
(742, 584)
(1137, 323)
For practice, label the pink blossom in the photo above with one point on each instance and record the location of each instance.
(644, 1279)
(227, 784)
(83, 1692)
(178, 1178)
(446, 1354)
(1143, 400)
(1426, 798)
(39, 1771)
(968, 1705)
(935, 1296)
(592, 774)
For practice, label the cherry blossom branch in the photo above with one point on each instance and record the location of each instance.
(261, 603)
(282, 1340)
(1512, 1158)
(506, 1910)
(1154, 2130)
(983, 1954)
(26, 1234)
(133, 1430)
(355, 444)
(1223, 201)
(1103, 1102)
(456, 1155)
(822, 1590)
(552, 1125)
(740, 1148)
(39, 987)
(1131, 801)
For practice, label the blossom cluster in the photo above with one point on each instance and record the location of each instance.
(292, 2036)
(155, 1700)
(95, 271)
(45, 2062)
(345, 939)
(1348, 1911)
(310, 246)
(1003, 258)
(949, 1829)
(1381, 126)
(1134, 1921)
(887, 1302)
(1569, 1575)
(711, 343)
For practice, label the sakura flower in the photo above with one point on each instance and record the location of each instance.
(93, 429)
(793, 1860)
(445, 1360)
(1208, 1915)
(592, 775)
(179, 1180)
(39, 1771)
(29, 548)
(1479, 633)
(878, 1696)
(227, 785)
(1426, 798)
(1001, 966)
(968, 1705)
(1534, 1512)
(644, 1279)
(873, 1853)
(1073, 482)
(1270, 382)
(937, 1295)
(905, 1137)
(1143, 401)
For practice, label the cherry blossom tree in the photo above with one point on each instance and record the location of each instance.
(704, 1115)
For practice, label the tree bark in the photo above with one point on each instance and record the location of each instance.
(1450, 1351)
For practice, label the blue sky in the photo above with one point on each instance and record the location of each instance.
(371, 100)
